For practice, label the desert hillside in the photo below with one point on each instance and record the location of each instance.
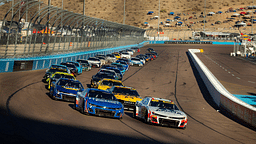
(136, 11)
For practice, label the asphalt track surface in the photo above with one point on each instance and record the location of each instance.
(29, 115)
(237, 74)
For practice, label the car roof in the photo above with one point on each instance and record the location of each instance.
(89, 89)
(107, 79)
(162, 99)
(64, 73)
(69, 80)
(125, 87)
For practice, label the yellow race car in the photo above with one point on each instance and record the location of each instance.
(106, 83)
(117, 55)
(126, 95)
(58, 75)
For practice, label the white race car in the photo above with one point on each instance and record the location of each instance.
(160, 111)
(94, 61)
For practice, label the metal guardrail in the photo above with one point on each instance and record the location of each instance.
(31, 28)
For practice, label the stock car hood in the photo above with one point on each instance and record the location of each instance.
(168, 112)
(127, 98)
(104, 103)
(67, 90)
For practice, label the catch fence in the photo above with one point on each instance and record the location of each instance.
(30, 28)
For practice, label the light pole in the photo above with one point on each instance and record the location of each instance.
(124, 13)
(158, 19)
(204, 14)
(252, 17)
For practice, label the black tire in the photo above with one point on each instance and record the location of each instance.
(134, 112)
(146, 117)
(51, 95)
(75, 105)
(82, 109)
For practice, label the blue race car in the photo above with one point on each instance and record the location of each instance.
(124, 63)
(65, 89)
(78, 66)
(85, 64)
(120, 67)
(98, 102)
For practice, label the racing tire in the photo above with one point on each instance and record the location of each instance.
(82, 109)
(146, 118)
(74, 107)
(134, 113)
(51, 95)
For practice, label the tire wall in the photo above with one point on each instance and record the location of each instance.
(221, 96)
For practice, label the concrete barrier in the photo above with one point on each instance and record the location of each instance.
(43, 62)
(224, 99)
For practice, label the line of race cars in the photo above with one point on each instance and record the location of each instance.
(107, 95)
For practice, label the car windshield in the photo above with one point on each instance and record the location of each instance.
(93, 59)
(108, 66)
(104, 75)
(116, 70)
(122, 62)
(101, 95)
(70, 84)
(111, 83)
(107, 71)
(120, 67)
(136, 59)
(70, 66)
(163, 104)
(57, 70)
(76, 64)
(58, 76)
(125, 91)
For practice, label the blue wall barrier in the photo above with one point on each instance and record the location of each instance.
(192, 42)
(43, 62)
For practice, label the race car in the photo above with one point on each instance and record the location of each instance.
(136, 61)
(119, 66)
(54, 77)
(150, 49)
(95, 62)
(126, 95)
(160, 111)
(65, 89)
(99, 76)
(98, 102)
(116, 70)
(124, 63)
(78, 66)
(53, 69)
(105, 83)
(117, 55)
(85, 64)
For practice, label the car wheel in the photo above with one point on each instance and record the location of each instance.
(82, 109)
(75, 105)
(51, 95)
(146, 118)
(134, 113)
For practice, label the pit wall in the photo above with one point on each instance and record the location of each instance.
(225, 100)
(36, 63)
